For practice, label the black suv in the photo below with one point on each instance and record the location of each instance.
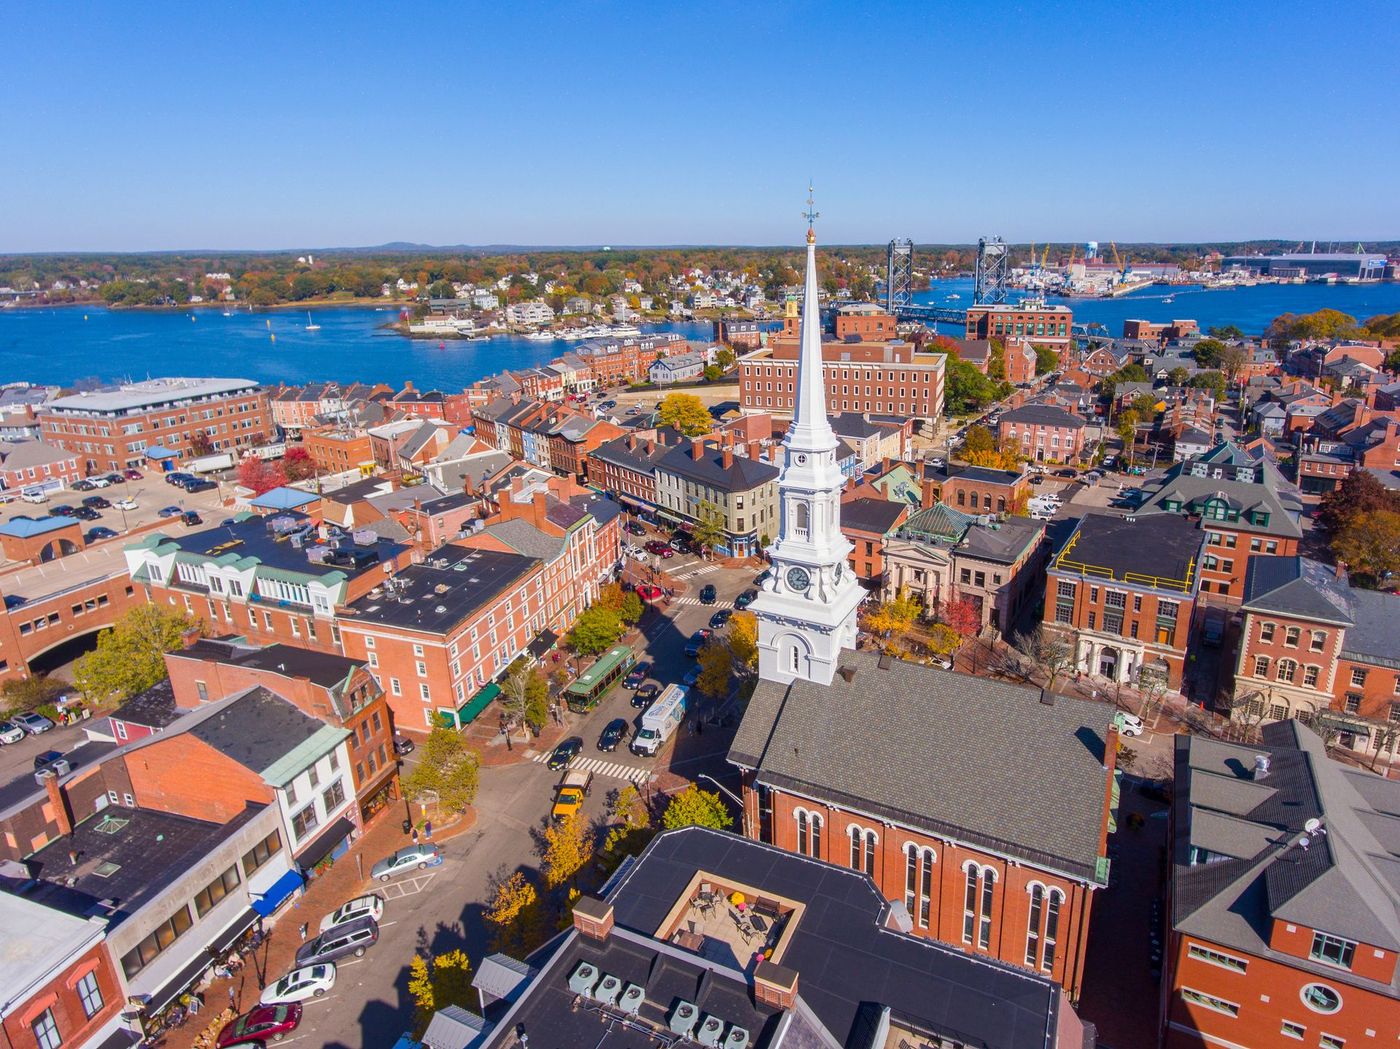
(707, 594)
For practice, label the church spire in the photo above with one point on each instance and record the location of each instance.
(810, 430)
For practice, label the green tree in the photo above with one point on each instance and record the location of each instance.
(567, 847)
(1225, 332)
(631, 608)
(1359, 493)
(447, 767)
(694, 807)
(1392, 361)
(29, 693)
(1046, 360)
(713, 373)
(715, 664)
(1370, 545)
(1322, 325)
(130, 657)
(979, 439)
(687, 413)
(965, 387)
(1208, 352)
(708, 531)
(595, 630)
(1212, 380)
(1127, 428)
(1178, 376)
(725, 358)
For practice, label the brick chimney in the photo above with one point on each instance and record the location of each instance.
(408, 386)
(727, 460)
(697, 448)
(593, 917)
(58, 801)
(538, 509)
(774, 985)
(651, 446)
(755, 449)
(930, 493)
(632, 442)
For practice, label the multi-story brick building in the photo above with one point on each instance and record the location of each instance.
(626, 467)
(117, 428)
(615, 361)
(1281, 907)
(887, 378)
(1043, 432)
(864, 321)
(339, 691)
(295, 408)
(339, 449)
(279, 578)
(33, 466)
(700, 477)
(1020, 361)
(1150, 331)
(1009, 880)
(1314, 647)
(1122, 592)
(1043, 325)
(741, 334)
(868, 524)
(976, 489)
(1244, 507)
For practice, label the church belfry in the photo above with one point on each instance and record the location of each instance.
(807, 608)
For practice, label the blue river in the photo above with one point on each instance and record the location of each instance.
(65, 344)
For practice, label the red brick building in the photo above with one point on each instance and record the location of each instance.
(1282, 916)
(1043, 432)
(626, 467)
(1121, 593)
(1149, 331)
(867, 523)
(339, 449)
(882, 378)
(1011, 881)
(119, 427)
(1041, 324)
(865, 322)
(35, 466)
(1020, 362)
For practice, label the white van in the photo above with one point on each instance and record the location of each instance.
(33, 495)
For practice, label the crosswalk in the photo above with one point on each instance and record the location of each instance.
(614, 769)
(702, 570)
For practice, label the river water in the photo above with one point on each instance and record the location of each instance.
(64, 344)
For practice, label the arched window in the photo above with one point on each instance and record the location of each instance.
(801, 518)
(1033, 925)
(1287, 668)
(803, 832)
(1052, 927)
(794, 657)
(863, 844)
(816, 852)
(918, 883)
(977, 905)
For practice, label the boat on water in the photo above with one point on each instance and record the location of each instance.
(310, 324)
(228, 313)
(1169, 298)
(624, 330)
(954, 295)
(541, 336)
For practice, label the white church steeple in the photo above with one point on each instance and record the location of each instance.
(807, 608)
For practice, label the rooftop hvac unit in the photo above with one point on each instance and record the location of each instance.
(684, 1018)
(608, 990)
(584, 979)
(364, 537)
(711, 1031)
(631, 1000)
(318, 554)
(738, 1038)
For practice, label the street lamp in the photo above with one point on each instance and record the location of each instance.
(729, 793)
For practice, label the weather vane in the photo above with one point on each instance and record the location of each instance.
(811, 215)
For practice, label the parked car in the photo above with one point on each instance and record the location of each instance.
(563, 755)
(100, 482)
(660, 549)
(354, 937)
(720, 619)
(309, 981)
(644, 695)
(10, 732)
(132, 474)
(763, 577)
(410, 857)
(127, 504)
(200, 485)
(189, 519)
(61, 510)
(94, 535)
(86, 513)
(636, 675)
(633, 528)
(708, 594)
(170, 511)
(1212, 633)
(691, 676)
(745, 599)
(697, 642)
(936, 461)
(261, 1024)
(1131, 724)
(370, 904)
(1066, 473)
(614, 733)
(681, 544)
(34, 497)
(402, 745)
(178, 478)
(97, 502)
(83, 485)
(33, 723)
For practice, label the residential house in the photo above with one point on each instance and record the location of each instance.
(33, 466)
(1043, 432)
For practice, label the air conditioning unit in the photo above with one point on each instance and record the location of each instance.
(738, 1038)
(684, 1018)
(711, 1031)
(631, 1000)
(608, 990)
(584, 979)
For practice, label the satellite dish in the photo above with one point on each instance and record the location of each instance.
(1304, 842)
(1312, 825)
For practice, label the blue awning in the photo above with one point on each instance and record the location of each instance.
(273, 898)
(157, 451)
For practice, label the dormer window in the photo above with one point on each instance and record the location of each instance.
(1332, 950)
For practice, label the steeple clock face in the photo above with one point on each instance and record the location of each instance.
(798, 579)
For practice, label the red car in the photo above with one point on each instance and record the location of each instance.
(660, 549)
(647, 592)
(132, 474)
(263, 1024)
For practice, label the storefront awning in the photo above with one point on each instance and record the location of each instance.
(157, 451)
(474, 706)
(181, 981)
(324, 845)
(267, 902)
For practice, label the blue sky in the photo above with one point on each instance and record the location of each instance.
(149, 126)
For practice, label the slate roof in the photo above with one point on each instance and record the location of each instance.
(1268, 495)
(1296, 586)
(853, 425)
(257, 729)
(1346, 881)
(524, 538)
(154, 708)
(743, 475)
(1043, 415)
(876, 516)
(922, 747)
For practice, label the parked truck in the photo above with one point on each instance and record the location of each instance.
(573, 788)
(661, 720)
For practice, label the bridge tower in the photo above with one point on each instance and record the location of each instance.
(989, 288)
(899, 275)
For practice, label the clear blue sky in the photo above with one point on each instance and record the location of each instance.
(268, 125)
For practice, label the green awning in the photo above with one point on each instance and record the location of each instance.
(468, 713)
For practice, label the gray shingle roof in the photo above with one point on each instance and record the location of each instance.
(524, 538)
(743, 475)
(931, 748)
(871, 515)
(257, 729)
(1043, 415)
(1296, 586)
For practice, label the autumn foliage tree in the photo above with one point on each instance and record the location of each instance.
(297, 464)
(1370, 545)
(437, 982)
(130, 657)
(687, 413)
(261, 475)
(694, 807)
(963, 615)
(892, 619)
(567, 847)
(515, 916)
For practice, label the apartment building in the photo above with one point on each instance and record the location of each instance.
(1011, 882)
(531, 312)
(1122, 593)
(1042, 324)
(626, 467)
(701, 477)
(1281, 907)
(124, 426)
(882, 378)
(1043, 432)
(339, 450)
(296, 408)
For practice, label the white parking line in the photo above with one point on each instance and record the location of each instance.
(345, 965)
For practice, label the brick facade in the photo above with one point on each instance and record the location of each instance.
(880, 378)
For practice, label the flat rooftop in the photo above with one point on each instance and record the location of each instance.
(151, 393)
(33, 582)
(450, 586)
(1160, 550)
(271, 540)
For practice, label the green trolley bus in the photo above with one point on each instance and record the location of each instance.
(583, 695)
